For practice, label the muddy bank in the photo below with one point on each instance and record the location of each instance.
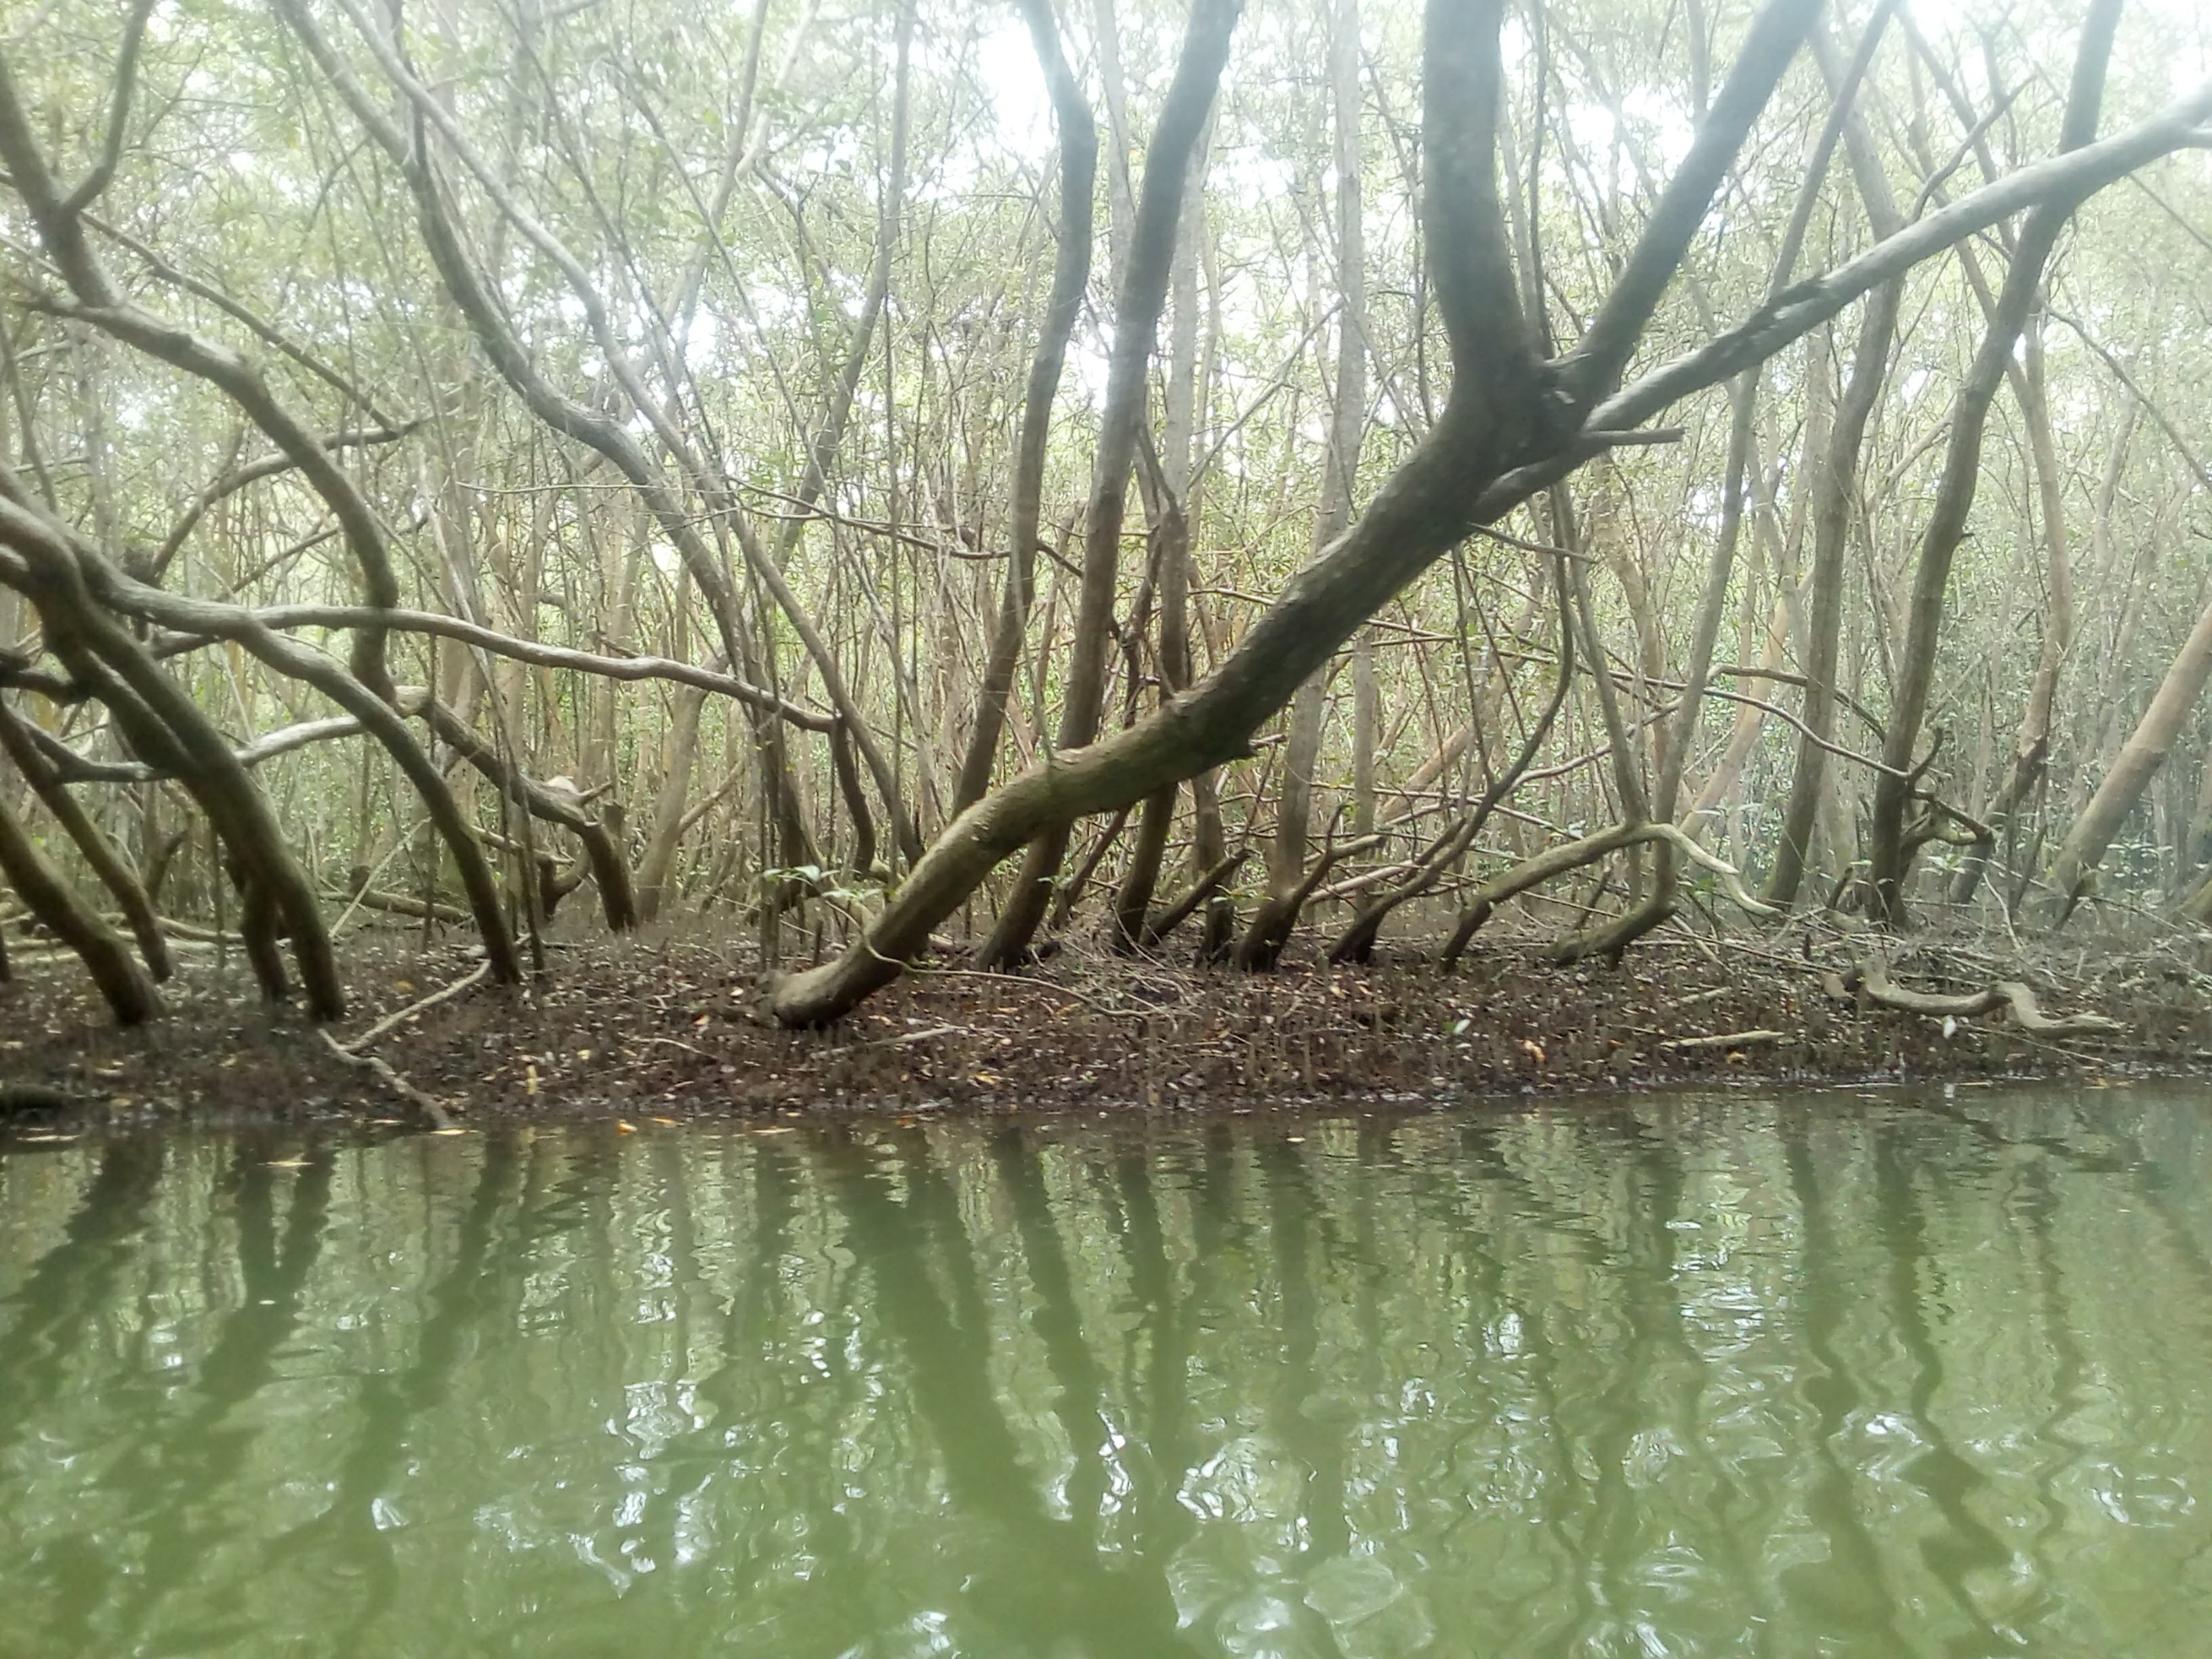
(663, 1027)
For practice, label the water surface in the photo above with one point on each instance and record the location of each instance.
(1834, 1375)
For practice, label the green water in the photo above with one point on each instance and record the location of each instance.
(1840, 1375)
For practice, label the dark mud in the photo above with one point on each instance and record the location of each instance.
(665, 1028)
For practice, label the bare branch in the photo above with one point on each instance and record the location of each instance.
(282, 617)
(118, 115)
(1800, 309)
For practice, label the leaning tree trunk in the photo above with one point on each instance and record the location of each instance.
(99, 852)
(272, 883)
(1512, 424)
(44, 891)
(163, 723)
(2140, 759)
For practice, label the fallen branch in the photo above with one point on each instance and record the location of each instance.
(1724, 1040)
(401, 904)
(431, 1110)
(391, 1023)
(898, 1042)
(1691, 1001)
(194, 932)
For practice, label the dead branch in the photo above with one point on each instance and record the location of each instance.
(1724, 1040)
(391, 1023)
(427, 1105)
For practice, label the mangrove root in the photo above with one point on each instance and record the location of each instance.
(1871, 980)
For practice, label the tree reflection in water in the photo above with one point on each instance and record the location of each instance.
(1832, 1375)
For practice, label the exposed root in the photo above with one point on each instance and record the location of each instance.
(1870, 979)
(1875, 984)
(1557, 862)
(2029, 1018)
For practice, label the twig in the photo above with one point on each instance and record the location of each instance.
(673, 1043)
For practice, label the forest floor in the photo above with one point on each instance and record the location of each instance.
(661, 1027)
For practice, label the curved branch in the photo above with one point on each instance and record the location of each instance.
(70, 767)
(522, 650)
(130, 993)
(1557, 862)
(77, 574)
(161, 720)
(252, 473)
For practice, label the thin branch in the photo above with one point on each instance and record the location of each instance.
(507, 645)
(1803, 307)
(1594, 366)
(118, 115)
